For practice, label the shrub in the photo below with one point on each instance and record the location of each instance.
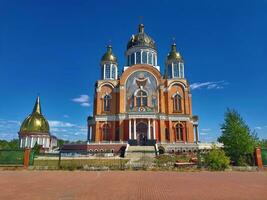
(216, 159)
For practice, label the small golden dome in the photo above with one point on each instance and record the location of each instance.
(174, 55)
(109, 56)
(35, 122)
(141, 39)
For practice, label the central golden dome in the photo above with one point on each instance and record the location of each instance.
(141, 39)
(35, 122)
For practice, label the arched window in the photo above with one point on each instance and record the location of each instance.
(179, 131)
(107, 71)
(177, 103)
(106, 132)
(138, 57)
(149, 58)
(107, 100)
(144, 57)
(175, 70)
(141, 98)
(181, 70)
(113, 72)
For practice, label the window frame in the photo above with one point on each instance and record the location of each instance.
(106, 132)
(177, 103)
(179, 132)
(107, 103)
(142, 98)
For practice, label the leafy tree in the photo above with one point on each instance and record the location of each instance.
(239, 142)
(216, 159)
(262, 143)
(13, 144)
(36, 148)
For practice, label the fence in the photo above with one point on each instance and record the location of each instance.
(16, 157)
(264, 156)
(86, 160)
(80, 160)
(12, 157)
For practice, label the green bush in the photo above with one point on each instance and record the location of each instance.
(216, 159)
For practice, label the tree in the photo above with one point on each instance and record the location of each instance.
(239, 142)
(36, 149)
(12, 145)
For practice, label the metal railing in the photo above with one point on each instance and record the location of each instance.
(11, 157)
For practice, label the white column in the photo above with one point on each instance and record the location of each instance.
(148, 131)
(130, 129)
(116, 72)
(141, 59)
(135, 58)
(172, 71)
(154, 129)
(110, 71)
(135, 129)
(31, 142)
(38, 141)
(104, 72)
(21, 142)
(90, 129)
(26, 141)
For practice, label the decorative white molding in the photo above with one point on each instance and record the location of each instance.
(143, 116)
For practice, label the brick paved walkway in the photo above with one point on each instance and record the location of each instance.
(67, 185)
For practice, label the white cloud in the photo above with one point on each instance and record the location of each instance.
(9, 129)
(67, 131)
(258, 128)
(203, 133)
(205, 129)
(85, 104)
(83, 100)
(60, 124)
(66, 116)
(209, 85)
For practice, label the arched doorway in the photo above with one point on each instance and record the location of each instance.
(141, 133)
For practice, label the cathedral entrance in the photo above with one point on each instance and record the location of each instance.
(141, 133)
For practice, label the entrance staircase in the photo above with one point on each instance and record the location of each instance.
(140, 157)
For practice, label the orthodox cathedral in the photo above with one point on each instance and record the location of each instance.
(141, 106)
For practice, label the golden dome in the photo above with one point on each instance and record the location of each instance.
(141, 39)
(35, 122)
(109, 56)
(174, 55)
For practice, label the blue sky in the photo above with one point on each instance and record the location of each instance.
(53, 48)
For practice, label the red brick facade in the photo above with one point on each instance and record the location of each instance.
(142, 104)
(165, 119)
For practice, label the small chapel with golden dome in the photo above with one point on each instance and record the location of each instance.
(141, 105)
(35, 129)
